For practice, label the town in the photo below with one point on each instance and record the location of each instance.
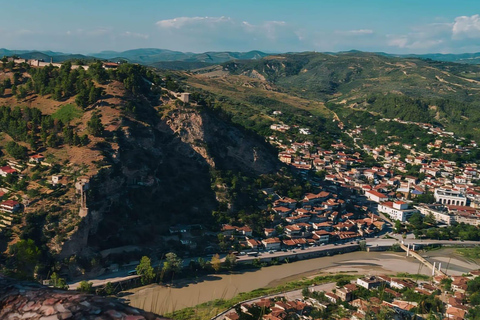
(355, 201)
(369, 297)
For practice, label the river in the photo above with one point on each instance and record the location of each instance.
(161, 299)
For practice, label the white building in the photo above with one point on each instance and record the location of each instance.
(272, 243)
(304, 131)
(184, 97)
(440, 215)
(376, 196)
(397, 210)
(450, 197)
(369, 282)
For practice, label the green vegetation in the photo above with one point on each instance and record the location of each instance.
(145, 270)
(471, 253)
(417, 276)
(67, 113)
(95, 126)
(15, 150)
(57, 282)
(460, 231)
(86, 287)
(410, 89)
(23, 259)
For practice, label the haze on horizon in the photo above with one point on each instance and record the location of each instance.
(408, 26)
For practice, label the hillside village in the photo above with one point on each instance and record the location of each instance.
(371, 297)
(355, 201)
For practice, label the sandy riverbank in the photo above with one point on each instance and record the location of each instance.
(162, 299)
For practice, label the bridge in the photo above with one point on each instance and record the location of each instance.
(411, 252)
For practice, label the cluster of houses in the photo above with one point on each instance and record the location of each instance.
(368, 306)
(455, 187)
(317, 219)
(10, 205)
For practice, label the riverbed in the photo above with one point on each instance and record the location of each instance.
(161, 299)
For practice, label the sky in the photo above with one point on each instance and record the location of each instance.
(392, 26)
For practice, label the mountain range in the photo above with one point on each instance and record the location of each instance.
(177, 60)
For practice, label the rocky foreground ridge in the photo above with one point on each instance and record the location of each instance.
(24, 300)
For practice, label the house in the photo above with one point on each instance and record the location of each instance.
(332, 297)
(376, 196)
(9, 206)
(269, 232)
(272, 243)
(397, 210)
(184, 97)
(455, 313)
(286, 202)
(110, 65)
(321, 236)
(459, 284)
(5, 171)
(37, 158)
(246, 231)
(282, 211)
(292, 231)
(228, 230)
(345, 294)
(305, 131)
(254, 244)
(56, 179)
(369, 282)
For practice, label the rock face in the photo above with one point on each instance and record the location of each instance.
(161, 176)
(222, 144)
(21, 300)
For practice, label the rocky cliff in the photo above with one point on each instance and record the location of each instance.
(23, 300)
(161, 176)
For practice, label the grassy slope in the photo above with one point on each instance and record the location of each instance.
(350, 78)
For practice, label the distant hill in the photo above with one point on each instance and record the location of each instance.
(394, 87)
(189, 60)
(160, 58)
(150, 56)
(468, 58)
(44, 55)
(180, 65)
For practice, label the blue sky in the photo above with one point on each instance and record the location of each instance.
(401, 26)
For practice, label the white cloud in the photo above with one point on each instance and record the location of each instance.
(224, 33)
(358, 32)
(181, 22)
(453, 36)
(397, 41)
(129, 34)
(466, 27)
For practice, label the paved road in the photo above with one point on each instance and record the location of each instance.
(371, 242)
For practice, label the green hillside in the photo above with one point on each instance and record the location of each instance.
(430, 91)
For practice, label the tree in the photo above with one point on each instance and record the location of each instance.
(109, 289)
(23, 257)
(172, 264)
(446, 283)
(230, 261)
(95, 126)
(145, 270)
(58, 282)
(15, 150)
(82, 99)
(342, 282)
(398, 226)
(216, 263)
(86, 286)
